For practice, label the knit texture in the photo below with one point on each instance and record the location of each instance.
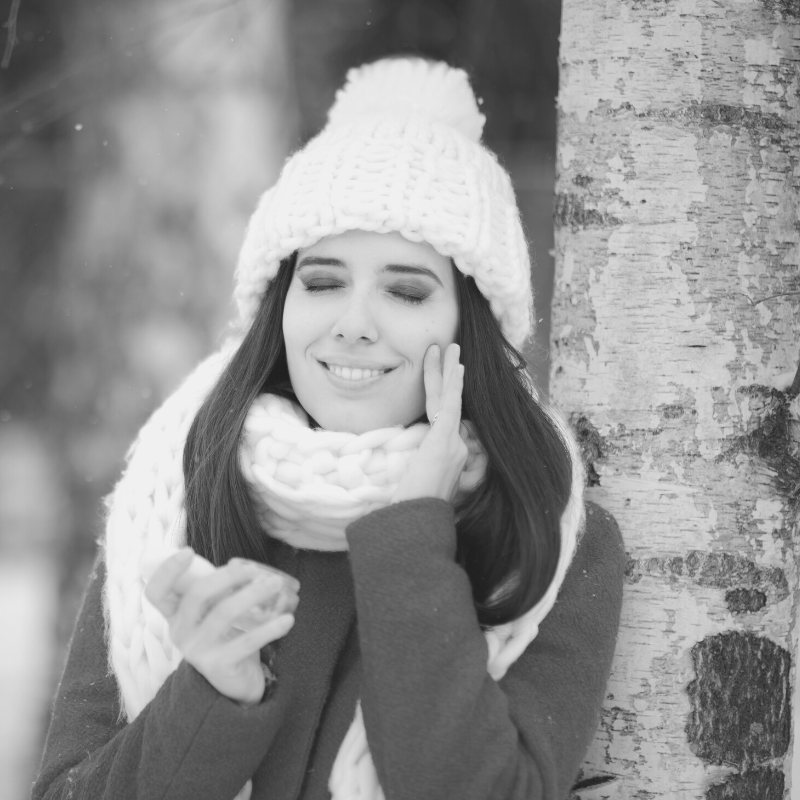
(401, 152)
(146, 522)
(309, 485)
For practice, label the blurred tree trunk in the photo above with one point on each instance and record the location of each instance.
(676, 329)
(181, 119)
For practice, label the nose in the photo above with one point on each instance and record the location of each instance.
(356, 320)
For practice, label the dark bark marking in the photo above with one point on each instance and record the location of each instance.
(771, 439)
(593, 782)
(671, 410)
(722, 570)
(571, 211)
(744, 601)
(764, 784)
(786, 8)
(591, 443)
(582, 180)
(713, 114)
(740, 700)
(654, 9)
(722, 114)
(794, 389)
(620, 720)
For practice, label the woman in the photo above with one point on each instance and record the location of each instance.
(372, 436)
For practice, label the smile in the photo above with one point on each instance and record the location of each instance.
(354, 373)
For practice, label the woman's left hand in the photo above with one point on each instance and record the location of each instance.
(436, 468)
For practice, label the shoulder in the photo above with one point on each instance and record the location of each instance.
(91, 622)
(601, 539)
(598, 567)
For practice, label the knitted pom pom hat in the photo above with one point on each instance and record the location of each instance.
(401, 152)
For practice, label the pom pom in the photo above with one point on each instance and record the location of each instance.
(409, 87)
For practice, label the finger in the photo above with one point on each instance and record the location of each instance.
(432, 376)
(452, 355)
(278, 602)
(289, 580)
(452, 387)
(249, 642)
(263, 591)
(160, 589)
(466, 430)
(206, 591)
(285, 602)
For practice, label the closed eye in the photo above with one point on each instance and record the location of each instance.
(321, 285)
(413, 295)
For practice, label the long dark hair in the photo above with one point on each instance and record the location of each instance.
(507, 528)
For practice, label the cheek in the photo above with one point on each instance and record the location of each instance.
(295, 325)
(441, 328)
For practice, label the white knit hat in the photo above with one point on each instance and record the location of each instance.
(401, 152)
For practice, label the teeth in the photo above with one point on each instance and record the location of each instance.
(354, 373)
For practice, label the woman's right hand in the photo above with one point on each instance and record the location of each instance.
(220, 618)
(436, 467)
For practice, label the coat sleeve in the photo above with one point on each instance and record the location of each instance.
(437, 724)
(190, 742)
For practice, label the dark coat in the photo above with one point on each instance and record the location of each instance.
(438, 726)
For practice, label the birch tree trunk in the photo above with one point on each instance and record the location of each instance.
(676, 328)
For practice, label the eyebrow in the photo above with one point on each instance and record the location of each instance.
(400, 269)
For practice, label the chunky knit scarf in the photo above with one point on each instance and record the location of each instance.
(307, 486)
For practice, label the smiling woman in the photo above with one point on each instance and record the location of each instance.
(373, 510)
(361, 312)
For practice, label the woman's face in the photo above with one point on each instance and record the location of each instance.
(361, 311)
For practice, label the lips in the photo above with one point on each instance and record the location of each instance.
(354, 373)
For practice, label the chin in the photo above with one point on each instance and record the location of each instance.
(358, 423)
(350, 426)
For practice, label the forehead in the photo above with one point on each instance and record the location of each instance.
(355, 248)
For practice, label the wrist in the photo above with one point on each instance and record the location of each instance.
(260, 693)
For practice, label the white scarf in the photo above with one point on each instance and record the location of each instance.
(308, 485)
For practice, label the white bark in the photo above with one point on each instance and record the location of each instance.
(676, 329)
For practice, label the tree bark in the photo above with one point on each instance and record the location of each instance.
(676, 337)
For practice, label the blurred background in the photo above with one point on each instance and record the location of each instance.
(135, 139)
